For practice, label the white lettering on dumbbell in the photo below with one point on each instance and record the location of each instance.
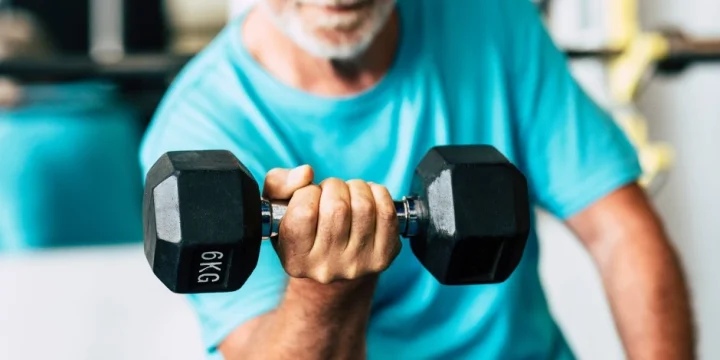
(214, 266)
(210, 271)
(212, 255)
(208, 278)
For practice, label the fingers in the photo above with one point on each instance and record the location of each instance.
(298, 230)
(280, 184)
(387, 243)
(333, 229)
(362, 228)
(337, 230)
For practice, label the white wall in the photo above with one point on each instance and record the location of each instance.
(91, 304)
(687, 111)
(684, 111)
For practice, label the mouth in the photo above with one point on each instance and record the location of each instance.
(338, 6)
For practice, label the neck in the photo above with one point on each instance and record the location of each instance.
(290, 64)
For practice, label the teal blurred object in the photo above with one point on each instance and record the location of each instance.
(69, 174)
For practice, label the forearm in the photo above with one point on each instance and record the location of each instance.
(318, 321)
(649, 298)
(641, 274)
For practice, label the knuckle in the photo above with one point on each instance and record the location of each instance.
(350, 272)
(356, 183)
(274, 177)
(274, 172)
(294, 269)
(385, 204)
(323, 275)
(363, 206)
(304, 214)
(387, 214)
(332, 183)
(380, 190)
(311, 191)
(337, 209)
(381, 264)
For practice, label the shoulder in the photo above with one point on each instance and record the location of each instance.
(470, 16)
(474, 32)
(195, 111)
(207, 77)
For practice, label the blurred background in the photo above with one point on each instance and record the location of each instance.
(79, 81)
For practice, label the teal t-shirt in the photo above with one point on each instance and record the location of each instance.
(466, 72)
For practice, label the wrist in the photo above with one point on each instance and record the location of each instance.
(336, 291)
(334, 298)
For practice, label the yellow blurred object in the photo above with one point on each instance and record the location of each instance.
(640, 53)
(21, 35)
(628, 70)
(624, 23)
(193, 24)
(10, 93)
(656, 158)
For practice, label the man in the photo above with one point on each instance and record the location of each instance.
(326, 92)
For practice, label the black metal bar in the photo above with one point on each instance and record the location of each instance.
(591, 53)
(683, 51)
(154, 67)
(62, 68)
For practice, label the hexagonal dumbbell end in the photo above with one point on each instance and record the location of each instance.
(477, 215)
(202, 221)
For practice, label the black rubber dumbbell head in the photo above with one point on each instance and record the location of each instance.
(202, 221)
(477, 211)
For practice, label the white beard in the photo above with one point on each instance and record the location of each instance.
(360, 28)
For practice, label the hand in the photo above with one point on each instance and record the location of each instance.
(333, 231)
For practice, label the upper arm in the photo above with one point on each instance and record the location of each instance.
(625, 213)
(571, 150)
(197, 120)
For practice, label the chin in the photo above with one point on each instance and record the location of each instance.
(341, 47)
(339, 37)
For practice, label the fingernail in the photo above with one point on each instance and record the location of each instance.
(295, 175)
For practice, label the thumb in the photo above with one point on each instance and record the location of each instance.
(280, 184)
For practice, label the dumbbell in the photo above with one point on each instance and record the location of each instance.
(467, 217)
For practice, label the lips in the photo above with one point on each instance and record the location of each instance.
(337, 4)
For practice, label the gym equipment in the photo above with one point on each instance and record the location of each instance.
(683, 50)
(70, 68)
(467, 217)
(69, 174)
(193, 24)
(678, 51)
(155, 70)
(610, 31)
(22, 34)
(140, 79)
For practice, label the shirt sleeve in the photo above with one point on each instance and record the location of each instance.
(571, 150)
(196, 120)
